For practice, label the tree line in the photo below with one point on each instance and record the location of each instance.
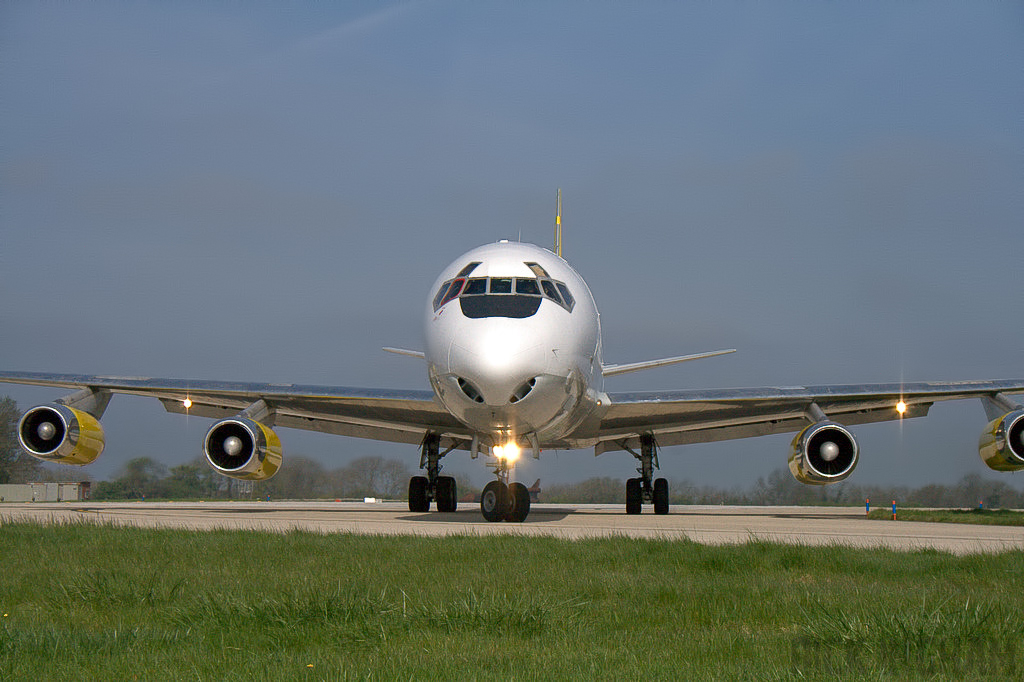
(301, 478)
(780, 488)
(382, 478)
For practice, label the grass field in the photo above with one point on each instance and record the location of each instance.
(88, 602)
(988, 517)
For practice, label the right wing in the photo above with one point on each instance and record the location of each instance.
(706, 415)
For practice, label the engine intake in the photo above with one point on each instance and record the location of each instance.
(1001, 445)
(824, 452)
(243, 448)
(62, 434)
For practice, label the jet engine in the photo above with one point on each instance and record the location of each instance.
(240, 447)
(824, 452)
(1001, 445)
(62, 434)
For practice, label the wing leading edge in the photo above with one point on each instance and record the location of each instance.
(701, 416)
(399, 416)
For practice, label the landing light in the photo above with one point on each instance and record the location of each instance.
(187, 403)
(901, 407)
(509, 452)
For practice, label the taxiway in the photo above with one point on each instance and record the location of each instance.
(705, 524)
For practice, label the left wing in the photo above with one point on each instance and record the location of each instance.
(701, 416)
(381, 414)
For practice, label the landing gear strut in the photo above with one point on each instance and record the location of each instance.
(433, 486)
(501, 501)
(643, 489)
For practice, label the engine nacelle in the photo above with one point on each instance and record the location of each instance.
(62, 434)
(822, 453)
(243, 448)
(1001, 445)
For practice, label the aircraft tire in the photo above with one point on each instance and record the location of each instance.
(634, 497)
(447, 494)
(519, 503)
(418, 500)
(660, 496)
(494, 501)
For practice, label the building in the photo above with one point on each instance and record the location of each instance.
(45, 492)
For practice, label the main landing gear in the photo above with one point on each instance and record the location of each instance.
(441, 489)
(502, 501)
(643, 490)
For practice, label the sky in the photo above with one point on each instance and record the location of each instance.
(267, 191)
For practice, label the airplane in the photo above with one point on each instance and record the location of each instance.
(513, 355)
(534, 490)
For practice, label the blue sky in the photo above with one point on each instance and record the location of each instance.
(265, 192)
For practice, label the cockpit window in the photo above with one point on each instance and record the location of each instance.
(501, 285)
(440, 294)
(453, 291)
(468, 269)
(550, 291)
(570, 302)
(538, 270)
(527, 286)
(515, 297)
(475, 287)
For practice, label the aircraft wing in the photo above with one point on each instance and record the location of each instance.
(702, 416)
(382, 414)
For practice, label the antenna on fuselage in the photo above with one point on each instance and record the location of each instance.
(558, 225)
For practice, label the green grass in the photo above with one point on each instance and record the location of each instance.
(989, 517)
(88, 602)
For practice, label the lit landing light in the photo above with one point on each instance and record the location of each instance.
(187, 403)
(901, 407)
(509, 452)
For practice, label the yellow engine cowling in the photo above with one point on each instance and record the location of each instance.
(1001, 445)
(823, 453)
(62, 434)
(240, 447)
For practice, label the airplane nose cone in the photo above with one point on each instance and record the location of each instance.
(497, 364)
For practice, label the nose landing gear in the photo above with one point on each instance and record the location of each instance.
(643, 489)
(501, 501)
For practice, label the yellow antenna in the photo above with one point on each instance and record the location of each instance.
(558, 225)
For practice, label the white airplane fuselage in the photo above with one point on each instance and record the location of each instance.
(513, 344)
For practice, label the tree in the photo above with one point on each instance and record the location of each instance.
(141, 475)
(16, 465)
(299, 478)
(597, 490)
(190, 480)
(394, 479)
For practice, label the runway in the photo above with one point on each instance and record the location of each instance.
(705, 524)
